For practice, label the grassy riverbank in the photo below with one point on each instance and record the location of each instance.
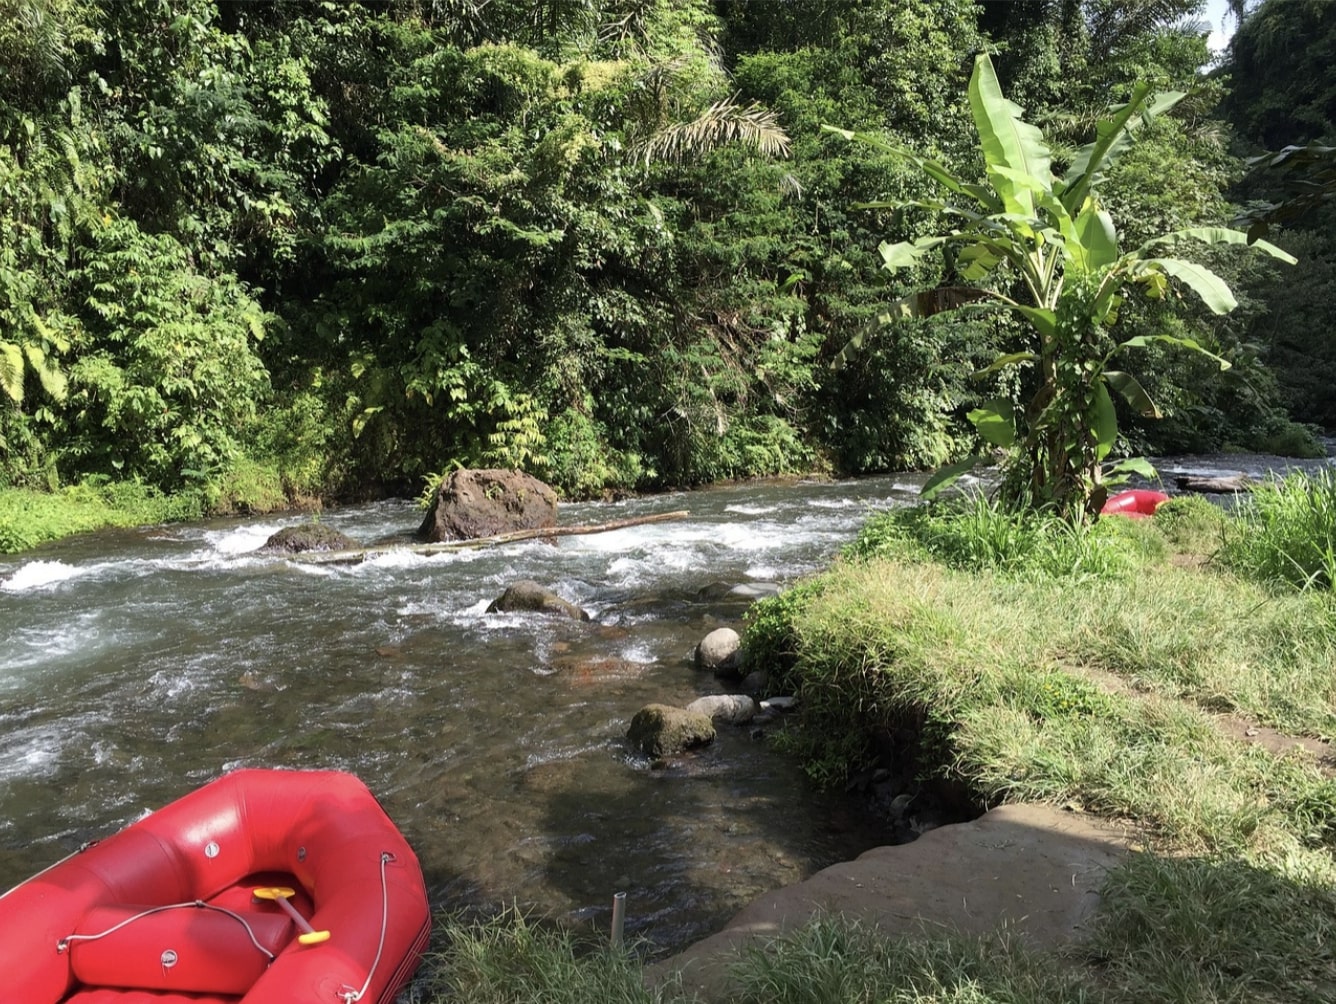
(1157, 672)
(29, 517)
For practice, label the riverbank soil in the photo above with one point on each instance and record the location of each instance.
(1033, 870)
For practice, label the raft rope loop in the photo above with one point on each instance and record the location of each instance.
(64, 943)
(347, 994)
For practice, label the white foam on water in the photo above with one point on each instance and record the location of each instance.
(32, 751)
(640, 653)
(240, 540)
(41, 574)
(391, 558)
(751, 510)
(171, 684)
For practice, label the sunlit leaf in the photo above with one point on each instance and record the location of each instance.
(1219, 235)
(1012, 148)
(1213, 290)
(11, 371)
(1140, 341)
(1002, 362)
(1098, 236)
(996, 422)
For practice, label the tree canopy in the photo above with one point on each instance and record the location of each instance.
(340, 247)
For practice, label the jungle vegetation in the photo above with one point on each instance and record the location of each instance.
(257, 252)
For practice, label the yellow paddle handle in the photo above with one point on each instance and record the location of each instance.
(280, 895)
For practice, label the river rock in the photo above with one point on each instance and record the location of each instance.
(659, 730)
(743, 591)
(720, 651)
(735, 709)
(527, 596)
(1034, 871)
(756, 682)
(485, 503)
(308, 537)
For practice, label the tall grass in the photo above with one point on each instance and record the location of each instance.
(513, 959)
(981, 533)
(845, 962)
(1285, 532)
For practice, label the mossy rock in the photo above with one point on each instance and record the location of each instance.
(662, 730)
(308, 537)
(527, 596)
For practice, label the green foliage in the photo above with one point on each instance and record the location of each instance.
(581, 464)
(770, 640)
(1281, 78)
(445, 215)
(167, 380)
(29, 518)
(1286, 532)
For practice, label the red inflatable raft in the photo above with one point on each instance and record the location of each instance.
(1137, 502)
(263, 887)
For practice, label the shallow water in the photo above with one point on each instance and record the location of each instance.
(139, 664)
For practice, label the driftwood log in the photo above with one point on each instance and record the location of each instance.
(360, 554)
(1214, 486)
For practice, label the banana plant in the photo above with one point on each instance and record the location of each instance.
(1042, 246)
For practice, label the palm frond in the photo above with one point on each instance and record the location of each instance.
(724, 122)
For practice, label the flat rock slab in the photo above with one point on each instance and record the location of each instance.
(1035, 869)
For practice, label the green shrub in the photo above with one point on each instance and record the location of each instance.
(580, 462)
(1293, 440)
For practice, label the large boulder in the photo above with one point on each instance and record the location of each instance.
(527, 596)
(662, 730)
(485, 503)
(308, 537)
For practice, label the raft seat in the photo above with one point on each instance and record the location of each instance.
(201, 954)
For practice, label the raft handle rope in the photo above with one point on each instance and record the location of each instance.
(64, 943)
(346, 993)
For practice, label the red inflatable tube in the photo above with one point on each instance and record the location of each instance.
(1136, 503)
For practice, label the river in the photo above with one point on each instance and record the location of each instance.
(139, 664)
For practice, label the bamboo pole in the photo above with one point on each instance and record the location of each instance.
(357, 555)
